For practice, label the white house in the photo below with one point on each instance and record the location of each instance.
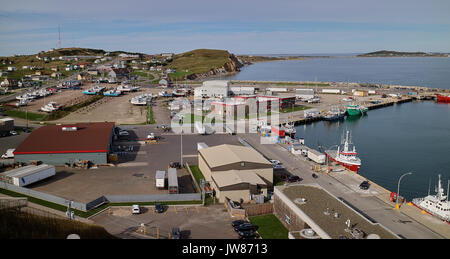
(213, 88)
(12, 68)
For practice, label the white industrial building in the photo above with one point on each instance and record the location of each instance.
(213, 88)
(237, 90)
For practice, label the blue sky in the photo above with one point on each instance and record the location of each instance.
(242, 27)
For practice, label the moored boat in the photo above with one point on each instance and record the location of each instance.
(346, 157)
(443, 98)
(334, 114)
(356, 109)
(437, 205)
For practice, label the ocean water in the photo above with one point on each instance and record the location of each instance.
(390, 141)
(409, 137)
(411, 71)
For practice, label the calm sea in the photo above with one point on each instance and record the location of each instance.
(429, 72)
(390, 141)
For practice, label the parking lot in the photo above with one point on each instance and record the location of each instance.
(194, 222)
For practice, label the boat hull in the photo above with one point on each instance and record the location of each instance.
(444, 99)
(354, 112)
(351, 167)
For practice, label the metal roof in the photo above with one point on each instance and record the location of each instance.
(26, 170)
(233, 177)
(230, 154)
(88, 138)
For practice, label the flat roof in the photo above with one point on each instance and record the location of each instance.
(319, 201)
(52, 139)
(26, 170)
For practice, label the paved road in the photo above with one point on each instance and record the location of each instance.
(367, 203)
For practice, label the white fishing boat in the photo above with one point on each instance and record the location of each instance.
(51, 106)
(127, 88)
(142, 99)
(112, 92)
(165, 94)
(437, 205)
(22, 102)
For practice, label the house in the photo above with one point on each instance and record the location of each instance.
(56, 69)
(12, 68)
(10, 82)
(84, 76)
(25, 67)
(165, 82)
(213, 88)
(235, 172)
(119, 74)
(39, 73)
(56, 75)
(69, 67)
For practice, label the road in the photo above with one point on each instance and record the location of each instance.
(368, 203)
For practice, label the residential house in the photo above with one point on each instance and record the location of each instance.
(12, 68)
(84, 76)
(10, 83)
(56, 68)
(93, 72)
(56, 75)
(119, 74)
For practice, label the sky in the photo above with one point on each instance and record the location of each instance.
(241, 27)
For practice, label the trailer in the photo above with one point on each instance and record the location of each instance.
(277, 131)
(9, 153)
(331, 91)
(160, 179)
(316, 156)
(201, 145)
(173, 180)
(28, 174)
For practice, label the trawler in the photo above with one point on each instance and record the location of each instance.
(346, 157)
(437, 205)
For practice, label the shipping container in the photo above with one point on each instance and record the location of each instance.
(173, 180)
(28, 174)
(316, 156)
(331, 91)
(160, 179)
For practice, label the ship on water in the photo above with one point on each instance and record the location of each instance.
(346, 156)
(334, 114)
(443, 98)
(437, 205)
(356, 109)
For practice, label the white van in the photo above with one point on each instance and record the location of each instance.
(136, 209)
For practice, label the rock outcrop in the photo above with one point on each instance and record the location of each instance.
(233, 65)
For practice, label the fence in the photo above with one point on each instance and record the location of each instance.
(7, 203)
(258, 209)
(103, 199)
(234, 212)
(43, 196)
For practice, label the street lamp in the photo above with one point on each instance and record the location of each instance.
(398, 189)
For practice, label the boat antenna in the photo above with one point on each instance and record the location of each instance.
(448, 185)
(429, 186)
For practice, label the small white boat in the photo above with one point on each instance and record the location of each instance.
(127, 88)
(142, 99)
(113, 92)
(51, 106)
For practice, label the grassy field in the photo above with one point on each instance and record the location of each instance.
(296, 108)
(197, 173)
(198, 61)
(269, 227)
(150, 116)
(22, 225)
(24, 115)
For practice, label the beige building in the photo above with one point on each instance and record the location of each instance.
(236, 172)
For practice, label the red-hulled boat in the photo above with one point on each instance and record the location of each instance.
(443, 98)
(346, 157)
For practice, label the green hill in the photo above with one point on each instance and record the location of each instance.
(388, 53)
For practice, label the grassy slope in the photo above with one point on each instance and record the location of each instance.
(199, 61)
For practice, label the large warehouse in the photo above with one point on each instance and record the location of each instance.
(236, 172)
(61, 144)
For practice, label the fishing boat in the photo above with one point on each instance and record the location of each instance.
(289, 129)
(112, 92)
(142, 99)
(94, 90)
(127, 88)
(179, 92)
(334, 114)
(165, 94)
(443, 98)
(345, 156)
(22, 102)
(51, 106)
(356, 109)
(437, 205)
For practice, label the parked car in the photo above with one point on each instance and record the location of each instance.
(275, 162)
(278, 167)
(247, 234)
(135, 209)
(176, 234)
(364, 185)
(159, 208)
(246, 226)
(123, 133)
(294, 178)
(315, 176)
(13, 132)
(175, 165)
(238, 223)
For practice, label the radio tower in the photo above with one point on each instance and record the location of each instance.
(59, 38)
